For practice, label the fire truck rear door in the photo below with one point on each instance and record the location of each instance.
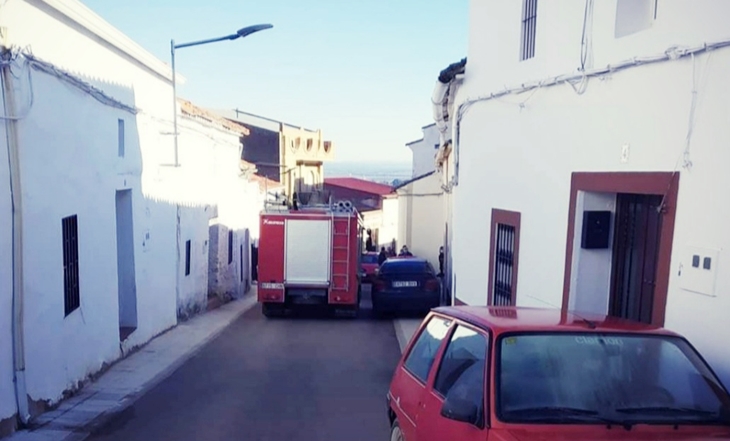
(308, 252)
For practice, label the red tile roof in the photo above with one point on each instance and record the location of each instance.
(190, 109)
(360, 185)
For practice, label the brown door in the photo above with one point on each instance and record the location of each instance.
(635, 252)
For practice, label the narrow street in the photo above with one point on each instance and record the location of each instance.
(305, 378)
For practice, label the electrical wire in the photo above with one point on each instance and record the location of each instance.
(30, 61)
(670, 54)
(9, 63)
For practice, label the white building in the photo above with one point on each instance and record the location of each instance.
(219, 206)
(422, 220)
(421, 200)
(424, 151)
(605, 118)
(99, 256)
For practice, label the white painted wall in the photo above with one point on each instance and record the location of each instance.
(8, 407)
(61, 351)
(39, 25)
(593, 267)
(193, 290)
(521, 159)
(82, 148)
(215, 198)
(424, 151)
(389, 227)
(426, 223)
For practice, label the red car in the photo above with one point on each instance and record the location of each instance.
(369, 263)
(518, 374)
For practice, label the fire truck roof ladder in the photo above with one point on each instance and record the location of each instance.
(346, 235)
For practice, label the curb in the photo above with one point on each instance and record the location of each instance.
(50, 431)
(129, 400)
(400, 334)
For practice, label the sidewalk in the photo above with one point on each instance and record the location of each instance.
(126, 381)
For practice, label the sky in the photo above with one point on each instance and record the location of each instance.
(362, 71)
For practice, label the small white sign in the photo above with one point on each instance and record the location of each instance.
(625, 153)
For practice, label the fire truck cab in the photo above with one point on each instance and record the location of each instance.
(310, 256)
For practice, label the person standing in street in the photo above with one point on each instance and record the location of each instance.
(382, 257)
(441, 262)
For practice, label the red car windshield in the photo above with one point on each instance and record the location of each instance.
(369, 259)
(559, 378)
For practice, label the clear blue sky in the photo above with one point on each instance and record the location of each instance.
(362, 71)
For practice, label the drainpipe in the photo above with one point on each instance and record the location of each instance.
(11, 130)
(443, 98)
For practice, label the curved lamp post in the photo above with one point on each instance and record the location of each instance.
(243, 32)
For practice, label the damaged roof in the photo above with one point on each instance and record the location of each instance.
(190, 109)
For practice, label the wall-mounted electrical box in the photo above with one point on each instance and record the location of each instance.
(698, 270)
(596, 230)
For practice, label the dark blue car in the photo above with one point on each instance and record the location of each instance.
(406, 285)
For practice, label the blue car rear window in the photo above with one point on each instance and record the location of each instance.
(395, 267)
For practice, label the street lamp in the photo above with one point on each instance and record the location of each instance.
(243, 32)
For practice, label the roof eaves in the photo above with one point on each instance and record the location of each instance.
(88, 19)
(412, 180)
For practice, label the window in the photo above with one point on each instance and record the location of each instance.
(504, 253)
(71, 294)
(467, 349)
(407, 267)
(633, 16)
(529, 27)
(649, 379)
(230, 246)
(424, 351)
(187, 257)
(120, 137)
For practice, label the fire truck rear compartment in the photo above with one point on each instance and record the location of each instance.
(306, 296)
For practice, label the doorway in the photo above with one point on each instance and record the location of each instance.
(637, 285)
(637, 234)
(126, 283)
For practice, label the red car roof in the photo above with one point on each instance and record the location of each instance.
(502, 319)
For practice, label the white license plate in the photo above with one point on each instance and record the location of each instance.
(408, 284)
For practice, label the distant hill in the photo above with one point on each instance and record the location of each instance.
(390, 173)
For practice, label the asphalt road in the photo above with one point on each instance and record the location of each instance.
(290, 379)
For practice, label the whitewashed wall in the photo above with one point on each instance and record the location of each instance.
(60, 351)
(521, 158)
(427, 218)
(8, 406)
(38, 25)
(193, 290)
(82, 147)
(424, 151)
(389, 227)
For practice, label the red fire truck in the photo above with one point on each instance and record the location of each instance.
(310, 256)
